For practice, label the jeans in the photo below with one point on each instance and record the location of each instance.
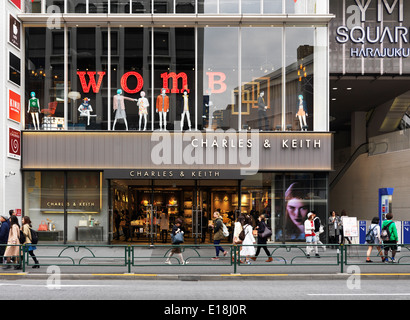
(217, 247)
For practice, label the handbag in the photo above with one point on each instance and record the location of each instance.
(178, 238)
(266, 233)
(43, 226)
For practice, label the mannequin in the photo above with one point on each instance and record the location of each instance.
(143, 104)
(302, 113)
(34, 109)
(185, 104)
(262, 112)
(162, 109)
(119, 105)
(211, 109)
(85, 110)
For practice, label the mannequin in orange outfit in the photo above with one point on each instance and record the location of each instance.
(162, 109)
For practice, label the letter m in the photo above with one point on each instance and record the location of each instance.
(92, 84)
(165, 76)
(390, 9)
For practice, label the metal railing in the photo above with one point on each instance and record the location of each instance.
(145, 257)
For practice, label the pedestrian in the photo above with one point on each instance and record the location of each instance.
(373, 239)
(164, 225)
(248, 249)
(262, 241)
(237, 229)
(391, 243)
(318, 229)
(333, 227)
(218, 234)
(310, 235)
(4, 236)
(13, 244)
(176, 249)
(26, 228)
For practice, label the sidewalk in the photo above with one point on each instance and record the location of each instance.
(100, 262)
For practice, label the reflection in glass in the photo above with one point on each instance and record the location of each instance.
(45, 76)
(141, 6)
(229, 6)
(87, 77)
(218, 71)
(184, 6)
(76, 6)
(120, 6)
(251, 6)
(299, 78)
(98, 6)
(262, 78)
(174, 71)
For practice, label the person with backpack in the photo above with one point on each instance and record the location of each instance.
(218, 234)
(26, 228)
(373, 239)
(389, 237)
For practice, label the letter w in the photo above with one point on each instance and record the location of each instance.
(86, 87)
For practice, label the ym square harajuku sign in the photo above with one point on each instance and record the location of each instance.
(374, 30)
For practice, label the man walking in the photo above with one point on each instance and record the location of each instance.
(310, 235)
(4, 236)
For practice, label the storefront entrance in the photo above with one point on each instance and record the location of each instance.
(145, 211)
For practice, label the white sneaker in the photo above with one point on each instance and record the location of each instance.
(168, 262)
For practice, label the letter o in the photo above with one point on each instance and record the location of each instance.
(124, 80)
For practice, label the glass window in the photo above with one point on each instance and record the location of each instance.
(141, 6)
(184, 6)
(229, 6)
(98, 6)
(303, 6)
(299, 78)
(251, 6)
(218, 72)
(85, 202)
(55, 6)
(44, 202)
(272, 6)
(76, 6)
(163, 6)
(87, 87)
(120, 6)
(44, 78)
(262, 78)
(174, 71)
(32, 6)
(131, 73)
(208, 6)
(14, 69)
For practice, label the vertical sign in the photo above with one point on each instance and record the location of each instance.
(14, 144)
(362, 232)
(17, 3)
(14, 106)
(14, 31)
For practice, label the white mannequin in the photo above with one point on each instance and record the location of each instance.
(163, 112)
(143, 104)
(85, 110)
(34, 109)
(302, 114)
(185, 102)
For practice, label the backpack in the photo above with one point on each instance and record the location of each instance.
(22, 237)
(34, 236)
(385, 234)
(225, 231)
(370, 237)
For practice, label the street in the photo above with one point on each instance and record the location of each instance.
(195, 291)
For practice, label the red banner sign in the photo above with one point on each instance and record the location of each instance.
(14, 108)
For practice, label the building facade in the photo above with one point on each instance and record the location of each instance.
(158, 110)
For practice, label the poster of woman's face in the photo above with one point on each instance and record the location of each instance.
(298, 204)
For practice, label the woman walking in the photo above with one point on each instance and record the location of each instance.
(373, 239)
(218, 234)
(26, 228)
(248, 249)
(13, 244)
(238, 227)
(176, 249)
(261, 227)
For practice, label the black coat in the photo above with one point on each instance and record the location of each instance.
(261, 228)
